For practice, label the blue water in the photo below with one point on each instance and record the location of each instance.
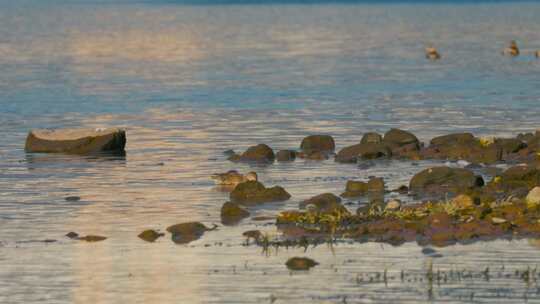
(190, 81)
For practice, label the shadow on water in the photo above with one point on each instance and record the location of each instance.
(47, 160)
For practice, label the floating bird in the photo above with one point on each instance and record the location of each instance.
(233, 177)
(432, 53)
(512, 49)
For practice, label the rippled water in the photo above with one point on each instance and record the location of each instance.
(188, 82)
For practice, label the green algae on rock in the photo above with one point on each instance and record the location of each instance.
(253, 193)
(300, 263)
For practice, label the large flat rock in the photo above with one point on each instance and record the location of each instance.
(76, 141)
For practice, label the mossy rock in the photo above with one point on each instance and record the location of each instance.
(254, 192)
(232, 214)
(325, 203)
(376, 184)
(522, 176)
(300, 263)
(441, 180)
(453, 139)
(318, 143)
(184, 233)
(150, 235)
(509, 145)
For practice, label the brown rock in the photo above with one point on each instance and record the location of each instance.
(318, 143)
(150, 235)
(260, 154)
(232, 214)
(285, 155)
(325, 203)
(442, 180)
(254, 192)
(298, 263)
(76, 141)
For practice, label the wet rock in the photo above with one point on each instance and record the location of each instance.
(285, 155)
(353, 153)
(398, 138)
(300, 263)
(453, 139)
(184, 233)
(260, 153)
(318, 143)
(92, 238)
(73, 198)
(522, 176)
(317, 155)
(376, 184)
(401, 189)
(325, 203)
(355, 188)
(509, 145)
(232, 214)
(253, 192)
(463, 146)
(150, 235)
(440, 180)
(76, 141)
(229, 152)
(72, 235)
(371, 138)
(533, 198)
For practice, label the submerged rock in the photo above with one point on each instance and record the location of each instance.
(441, 180)
(258, 154)
(325, 203)
(285, 155)
(92, 238)
(253, 192)
(150, 235)
(317, 143)
(352, 154)
(72, 198)
(187, 232)
(72, 235)
(300, 263)
(76, 141)
(232, 214)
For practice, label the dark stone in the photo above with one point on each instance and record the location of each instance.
(232, 214)
(298, 263)
(260, 154)
(371, 138)
(398, 138)
(73, 198)
(453, 139)
(318, 143)
(92, 238)
(522, 176)
(72, 235)
(325, 203)
(150, 235)
(286, 155)
(253, 192)
(76, 141)
(355, 188)
(187, 232)
(351, 154)
(443, 180)
(376, 184)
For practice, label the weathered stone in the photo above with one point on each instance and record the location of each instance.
(318, 143)
(399, 138)
(184, 233)
(72, 198)
(522, 176)
(72, 235)
(76, 141)
(285, 155)
(298, 263)
(453, 139)
(325, 203)
(444, 179)
(232, 214)
(150, 235)
(509, 145)
(351, 154)
(253, 192)
(259, 154)
(371, 138)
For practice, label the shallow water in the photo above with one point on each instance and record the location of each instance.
(188, 82)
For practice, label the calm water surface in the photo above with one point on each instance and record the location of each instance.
(188, 82)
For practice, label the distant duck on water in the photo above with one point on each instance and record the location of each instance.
(512, 49)
(432, 53)
(233, 177)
